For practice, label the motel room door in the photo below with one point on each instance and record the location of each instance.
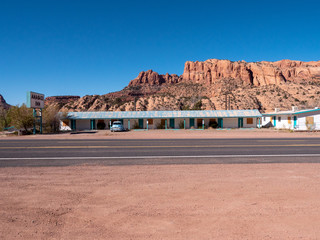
(141, 123)
(191, 122)
(171, 122)
(240, 122)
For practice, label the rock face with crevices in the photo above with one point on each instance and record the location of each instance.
(153, 78)
(252, 73)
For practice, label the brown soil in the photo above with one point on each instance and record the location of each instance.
(265, 201)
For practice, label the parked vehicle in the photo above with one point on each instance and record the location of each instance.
(117, 126)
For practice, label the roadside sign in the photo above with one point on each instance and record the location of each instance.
(35, 100)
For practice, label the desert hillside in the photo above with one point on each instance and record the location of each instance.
(212, 84)
(3, 103)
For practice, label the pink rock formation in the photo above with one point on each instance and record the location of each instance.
(256, 73)
(152, 78)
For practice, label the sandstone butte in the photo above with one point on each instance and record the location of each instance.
(251, 73)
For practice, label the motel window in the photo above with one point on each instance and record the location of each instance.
(249, 120)
(279, 119)
(150, 121)
(309, 120)
(264, 119)
(65, 123)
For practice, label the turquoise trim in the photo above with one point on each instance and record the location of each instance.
(28, 99)
(290, 113)
(307, 111)
(294, 121)
(92, 124)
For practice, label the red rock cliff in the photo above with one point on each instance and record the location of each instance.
(152, 78)
(256, 73)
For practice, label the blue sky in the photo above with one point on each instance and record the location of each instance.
(96, 47)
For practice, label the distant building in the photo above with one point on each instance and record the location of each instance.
(295, 119)
(163, 119)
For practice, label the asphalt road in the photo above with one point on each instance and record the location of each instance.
(15, 153)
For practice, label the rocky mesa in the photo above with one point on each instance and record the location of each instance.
(254, 73)
(251, 73)
(214, 84)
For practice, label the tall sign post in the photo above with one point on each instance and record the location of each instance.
(36, 101)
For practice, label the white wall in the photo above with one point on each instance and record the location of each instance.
(246, 125)
(301, 121)
(83, 124)
(227, 123)
(230, 122)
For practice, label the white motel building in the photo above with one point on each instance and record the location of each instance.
(307, 119)
(197, 119)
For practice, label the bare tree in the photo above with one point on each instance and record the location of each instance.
(51, 119)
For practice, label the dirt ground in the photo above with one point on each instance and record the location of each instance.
(247, 201)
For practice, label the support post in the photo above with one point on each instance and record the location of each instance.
(128, 124)
(147, 125)
(259, 122)
(166, 127)
(203, 124)
(184, 123)
(34, 121)
(41, 121)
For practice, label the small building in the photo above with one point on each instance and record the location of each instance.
(307, 119)
(197, 119)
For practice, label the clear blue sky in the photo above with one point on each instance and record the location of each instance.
(96, 47)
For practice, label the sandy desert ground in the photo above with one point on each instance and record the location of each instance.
(230, 201)
(266, 201)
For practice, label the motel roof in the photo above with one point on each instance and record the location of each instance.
(165, 114)
(291, 112)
